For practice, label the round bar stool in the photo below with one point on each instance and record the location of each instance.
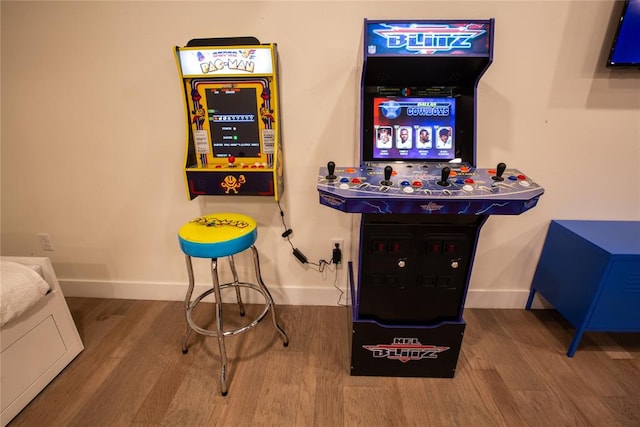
(216, 236)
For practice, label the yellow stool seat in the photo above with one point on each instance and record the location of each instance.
(217, 235)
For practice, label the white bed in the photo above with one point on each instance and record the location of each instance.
(37, 344)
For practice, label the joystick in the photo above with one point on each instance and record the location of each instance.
(499, 171)
(331, 168)
(445, 176)
(388, 170)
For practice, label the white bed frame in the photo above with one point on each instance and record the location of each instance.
(36, 346)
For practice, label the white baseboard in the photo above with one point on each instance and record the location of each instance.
(487, 298)
(480, 298)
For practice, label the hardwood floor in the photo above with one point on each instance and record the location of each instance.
(512, 371)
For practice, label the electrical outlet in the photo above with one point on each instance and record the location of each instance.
(45, 241)
(337, 248)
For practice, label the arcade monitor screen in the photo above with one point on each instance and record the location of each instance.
(233, 121)
(413, 128)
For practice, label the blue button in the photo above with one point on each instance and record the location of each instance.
(344, 180)
(405, 183)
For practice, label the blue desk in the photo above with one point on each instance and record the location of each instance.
(590, 272)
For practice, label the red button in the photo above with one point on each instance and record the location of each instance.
(468, 181)
(522, 177)
(356, 180)
(417, 183)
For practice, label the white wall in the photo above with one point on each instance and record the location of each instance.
(93, 134)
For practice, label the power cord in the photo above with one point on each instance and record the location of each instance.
(322, 264)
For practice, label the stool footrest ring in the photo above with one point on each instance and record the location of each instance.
(211, 333)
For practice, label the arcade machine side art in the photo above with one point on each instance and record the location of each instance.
(233, 144)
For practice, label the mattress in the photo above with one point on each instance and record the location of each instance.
(21, 286)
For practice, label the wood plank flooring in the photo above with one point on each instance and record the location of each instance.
(512, 371)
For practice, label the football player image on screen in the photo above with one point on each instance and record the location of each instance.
(444, 138)
(403, 141)
(424, 138)
(384, 138)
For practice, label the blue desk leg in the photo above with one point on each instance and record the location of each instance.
(530, 300)
(575, 341)
(576, 337)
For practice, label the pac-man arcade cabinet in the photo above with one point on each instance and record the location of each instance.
(233, 123)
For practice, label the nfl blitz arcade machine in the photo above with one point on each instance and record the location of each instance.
(421, 197)
(231, 99)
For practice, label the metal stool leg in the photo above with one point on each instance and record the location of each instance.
(219, 329)
(270, 302)
(219, 333)
(236, 281)
(187, 303)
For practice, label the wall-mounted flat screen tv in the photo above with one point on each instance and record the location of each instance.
(625, 51)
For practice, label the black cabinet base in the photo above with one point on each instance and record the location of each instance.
(401, 351)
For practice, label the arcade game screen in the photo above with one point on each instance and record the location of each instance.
(233, 121)
(413, 128)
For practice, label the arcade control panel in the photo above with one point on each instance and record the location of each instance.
(427, 188)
